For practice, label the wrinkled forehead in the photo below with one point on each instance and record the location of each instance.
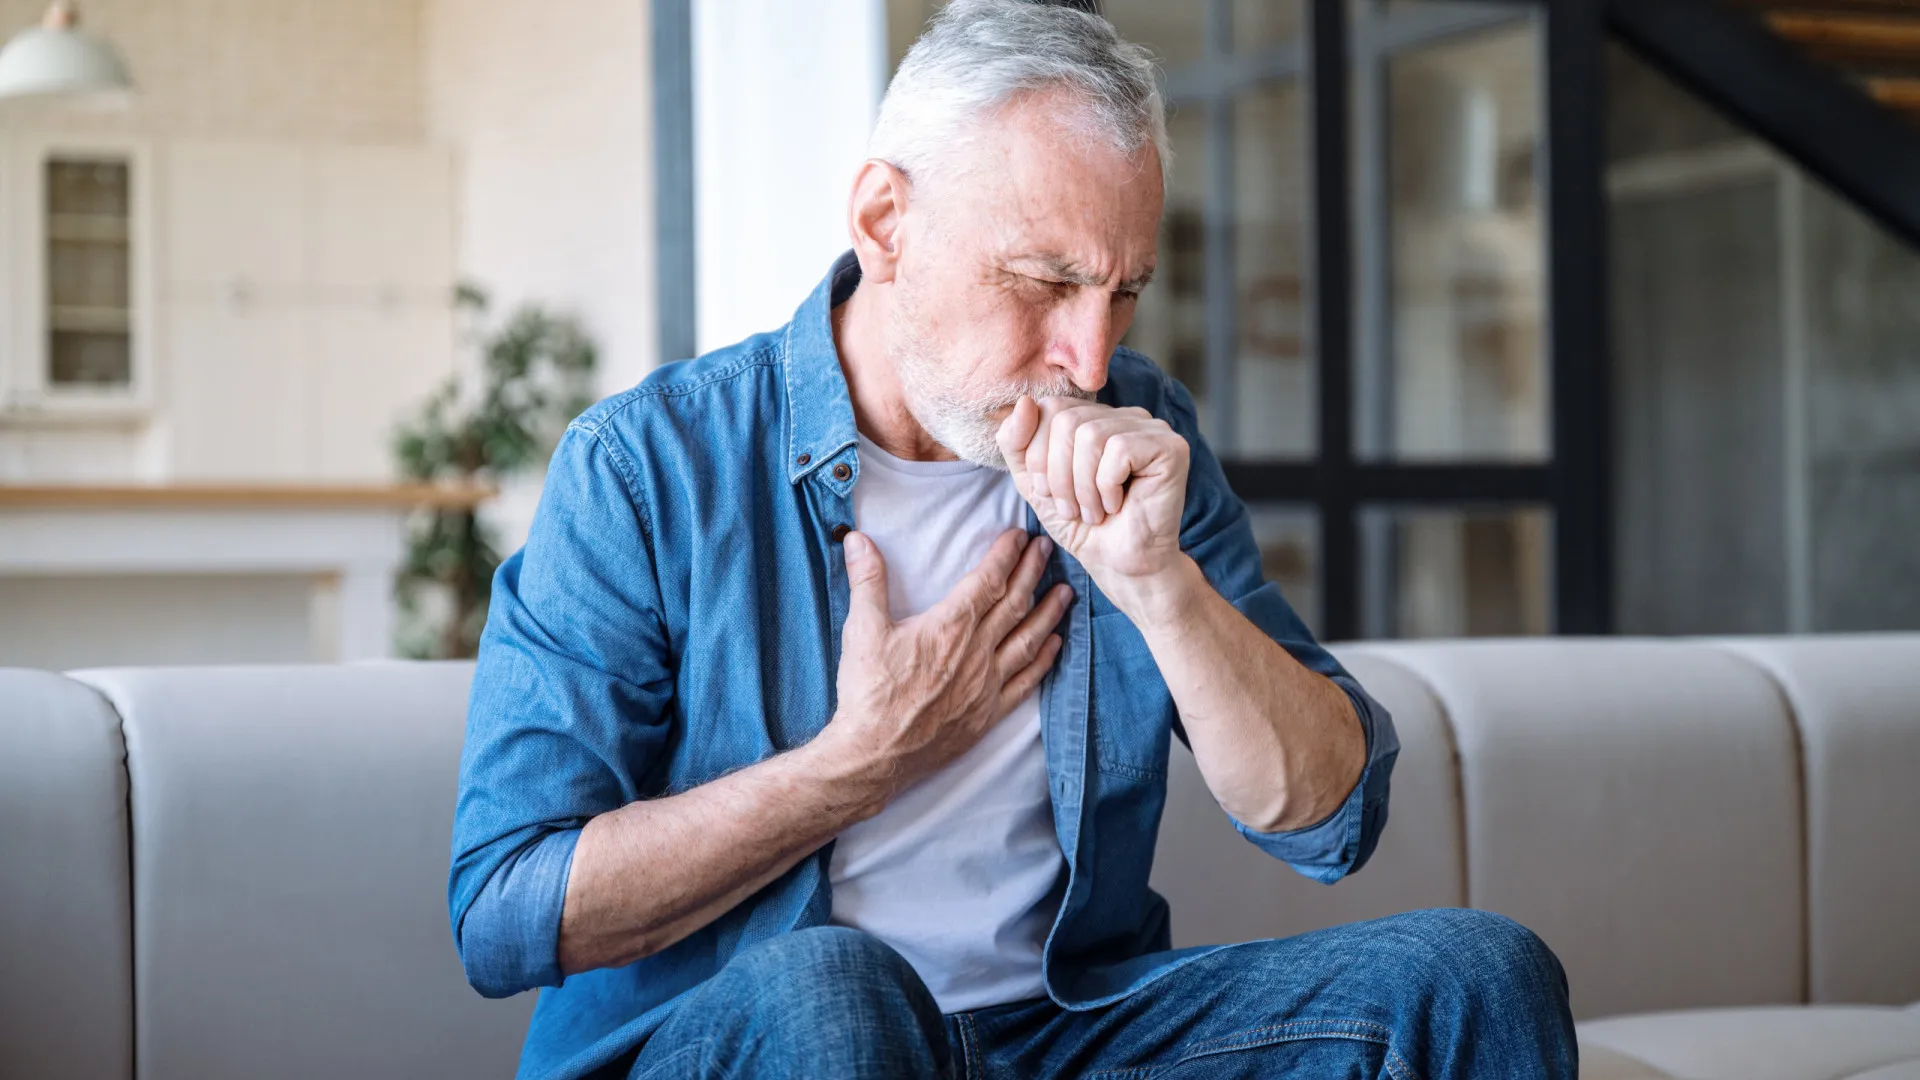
(1033, 176)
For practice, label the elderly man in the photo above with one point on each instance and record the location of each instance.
(821, 727)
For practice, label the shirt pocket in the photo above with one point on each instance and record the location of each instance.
(1131, 712)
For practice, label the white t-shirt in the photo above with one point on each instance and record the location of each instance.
(955, 872)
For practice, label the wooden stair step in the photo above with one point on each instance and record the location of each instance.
(1899, 94)
(1840, 37)
(1830, 7)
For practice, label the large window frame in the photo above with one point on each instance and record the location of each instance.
(1342, 62)
(1349, 280)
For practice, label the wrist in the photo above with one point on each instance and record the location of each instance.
(856, 784)
(1162, 598)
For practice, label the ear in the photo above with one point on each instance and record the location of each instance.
(874, 211)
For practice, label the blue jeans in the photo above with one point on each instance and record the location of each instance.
(1427, 995)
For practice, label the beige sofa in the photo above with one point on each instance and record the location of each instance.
(239, 872)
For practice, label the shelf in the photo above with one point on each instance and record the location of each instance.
(90, 320)
(247, 496)
(88, 229)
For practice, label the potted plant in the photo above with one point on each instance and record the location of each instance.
(534, 375)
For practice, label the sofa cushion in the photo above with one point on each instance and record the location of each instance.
(66, 946)
(1820, 1042)
(290, 845)
(1857, 700)
(1635, 803)
(1600, 1063)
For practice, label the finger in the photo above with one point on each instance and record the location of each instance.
(983, 587)
(866, 580)
(1089, 449)
(1019, 599)
(1027, 679)
(1060, 443)
(1110, 479)
(1037, 447)
(1016, 431)
(1024, 642)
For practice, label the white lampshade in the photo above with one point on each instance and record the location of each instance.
(58, 58)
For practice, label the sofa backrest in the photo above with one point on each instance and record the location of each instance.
(1640, 804)
(1857, 703)
(1687, 823)
(290, 843)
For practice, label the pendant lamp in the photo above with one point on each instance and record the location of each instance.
(57, 58)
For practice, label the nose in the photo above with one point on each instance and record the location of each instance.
(1083, 339)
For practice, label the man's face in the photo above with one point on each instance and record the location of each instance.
(1021, 273)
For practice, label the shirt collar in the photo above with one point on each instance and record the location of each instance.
(819, 409)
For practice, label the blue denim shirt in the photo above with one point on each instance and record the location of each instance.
(675, 615)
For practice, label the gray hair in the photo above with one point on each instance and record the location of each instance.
(978, 55)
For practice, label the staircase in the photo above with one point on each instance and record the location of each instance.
(1834, 84)
(1873, 44)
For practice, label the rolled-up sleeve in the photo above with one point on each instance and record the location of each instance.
(1217, 532)
(1341, 843)
(568, 708)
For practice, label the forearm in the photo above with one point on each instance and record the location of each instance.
(1279, 745)
(652, 872)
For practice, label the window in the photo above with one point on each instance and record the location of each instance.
(1367, 343)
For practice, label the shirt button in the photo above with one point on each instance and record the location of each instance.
(841, 472)
(803, 459)
(840, 533)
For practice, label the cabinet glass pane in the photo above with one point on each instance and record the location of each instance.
(87, 275)
(89, 208)
(1466, 374)
(1289, 540)
(1455, 573)
(90, 359)
(88, 187)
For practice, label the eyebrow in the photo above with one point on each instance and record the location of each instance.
(1070, 272)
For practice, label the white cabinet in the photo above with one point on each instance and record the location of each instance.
(382, 220)
(239, 401)
(237, 221)
(284, 303)
(308, 300)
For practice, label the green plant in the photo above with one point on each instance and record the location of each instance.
(535, 374)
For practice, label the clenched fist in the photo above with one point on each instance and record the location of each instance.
(1109, 485)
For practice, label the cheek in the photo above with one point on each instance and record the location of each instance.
(1001, 334)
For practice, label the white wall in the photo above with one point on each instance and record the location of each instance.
(549, 108)
(785, 95)
(343, 70)
(551, 114)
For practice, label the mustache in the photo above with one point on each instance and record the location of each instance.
(1006, 397)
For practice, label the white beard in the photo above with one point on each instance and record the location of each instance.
(963, 419)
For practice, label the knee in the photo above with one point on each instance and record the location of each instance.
(827, 974)
(1489, 958)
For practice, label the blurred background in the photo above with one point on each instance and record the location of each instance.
(1506, 318)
